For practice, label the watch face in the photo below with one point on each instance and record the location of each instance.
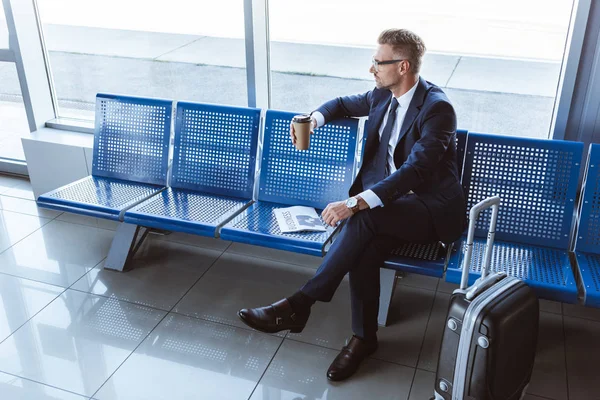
(351, 202)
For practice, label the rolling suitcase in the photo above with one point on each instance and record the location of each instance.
(490, 336)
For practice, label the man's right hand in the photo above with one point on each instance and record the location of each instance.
(313, 126)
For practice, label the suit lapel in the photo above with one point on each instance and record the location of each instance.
(414, 107)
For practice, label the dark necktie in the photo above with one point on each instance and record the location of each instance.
(379, 168)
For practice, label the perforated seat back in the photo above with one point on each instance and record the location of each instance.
(314, 177)
(215, 149)
(588, 235)
(536, 180)
(131, 138)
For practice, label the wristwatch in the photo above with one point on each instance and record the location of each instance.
(352, 204)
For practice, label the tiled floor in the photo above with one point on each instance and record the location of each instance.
(168, 329)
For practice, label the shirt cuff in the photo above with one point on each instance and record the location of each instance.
(319, 118)
(371, 198)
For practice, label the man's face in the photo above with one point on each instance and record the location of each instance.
(387, 75)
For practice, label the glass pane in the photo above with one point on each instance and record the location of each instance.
(498, 61)
(13, 119)
(3, 29)
(186, 51)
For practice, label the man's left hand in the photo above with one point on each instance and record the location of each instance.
(336, 212)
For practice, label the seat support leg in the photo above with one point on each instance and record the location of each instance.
(387, 278)
(125, 244)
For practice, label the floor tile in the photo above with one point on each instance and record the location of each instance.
(399, 342)
(16, 226)
(330, 324)
(276, 255)
(298, 372)
(28, 207)
(7, 182)
(58, 254)
(554, 307)
(89, 221)
(423, 385)
(187, 358)
(444, 287)
(194, 240)
(21, 299)
(77, 342)
(433, 336)
(15, 388)
(235, 282)
(21, 190)
(575, 310)
(583, 353)
(161, 273)
(549, 377)
(419, 281)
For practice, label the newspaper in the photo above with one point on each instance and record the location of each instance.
(297, 219)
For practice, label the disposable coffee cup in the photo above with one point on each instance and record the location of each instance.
(302, 124)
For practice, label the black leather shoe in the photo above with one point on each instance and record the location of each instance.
(277, 317)
(347, 362)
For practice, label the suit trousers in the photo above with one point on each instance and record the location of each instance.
(363, 244)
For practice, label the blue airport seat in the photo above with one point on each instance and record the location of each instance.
(212, 179)
(537, 182)
(587, 247)
(430, 258)
(288, 177)
(130, 159)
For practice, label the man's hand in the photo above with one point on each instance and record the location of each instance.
(336, 212)
(313, 126)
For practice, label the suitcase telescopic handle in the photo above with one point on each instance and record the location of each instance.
(494, 203)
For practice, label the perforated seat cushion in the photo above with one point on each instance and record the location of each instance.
(257, 225)
(589, 266)
(185, 211)
(425, 259)
(547, 270)
(95, 196)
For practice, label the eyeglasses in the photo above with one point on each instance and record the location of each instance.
(376, 63)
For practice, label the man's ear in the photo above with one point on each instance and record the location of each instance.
(405, 65)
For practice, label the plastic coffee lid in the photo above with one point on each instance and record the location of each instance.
(302, 118)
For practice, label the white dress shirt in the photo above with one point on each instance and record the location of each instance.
(403, 102)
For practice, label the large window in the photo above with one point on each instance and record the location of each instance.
(498, 61)
(3, 29)
(13, 119)
(183, 50)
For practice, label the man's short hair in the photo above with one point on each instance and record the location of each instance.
(406, 44)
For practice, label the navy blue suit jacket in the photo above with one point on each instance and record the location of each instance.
(425, 154)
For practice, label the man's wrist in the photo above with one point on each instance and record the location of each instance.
(362, 204)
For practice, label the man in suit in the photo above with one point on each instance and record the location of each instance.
(407, 190)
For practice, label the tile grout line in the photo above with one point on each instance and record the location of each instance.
(331, 348)
(412, 383)
(25, 237)
(52, 301)
(47, 385)
(266, 368)
(426, 326)
(154, 328)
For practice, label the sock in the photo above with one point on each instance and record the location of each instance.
(367, 338)
(300, 302)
